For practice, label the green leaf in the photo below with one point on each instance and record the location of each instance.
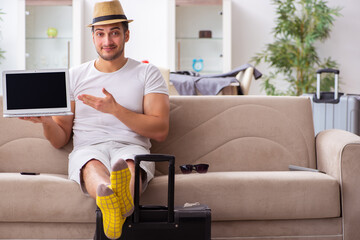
(293, 56)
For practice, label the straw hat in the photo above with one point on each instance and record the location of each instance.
(107, 13)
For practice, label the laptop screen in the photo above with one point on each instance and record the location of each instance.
(36, 90)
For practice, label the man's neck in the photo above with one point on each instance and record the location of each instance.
(109, 66)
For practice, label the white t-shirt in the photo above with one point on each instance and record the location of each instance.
(128, 86)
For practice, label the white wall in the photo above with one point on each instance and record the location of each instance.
(254, 20)
(12, 38)
(148, 40)
(252, 23)
(343, 45)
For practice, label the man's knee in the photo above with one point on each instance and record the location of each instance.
(92, 167)
(93, 164)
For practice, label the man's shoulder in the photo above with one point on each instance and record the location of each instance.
(136, 64)
(146, 68)
(82, 67)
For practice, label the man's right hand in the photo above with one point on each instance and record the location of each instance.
(43, 119)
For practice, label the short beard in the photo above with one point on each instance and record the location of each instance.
(110, 58)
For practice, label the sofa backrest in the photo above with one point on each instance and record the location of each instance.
(23, 148)
(231, 133)
(239, 133)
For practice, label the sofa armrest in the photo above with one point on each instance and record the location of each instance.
(338, 154)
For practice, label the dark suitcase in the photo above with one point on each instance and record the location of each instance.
(161, 222)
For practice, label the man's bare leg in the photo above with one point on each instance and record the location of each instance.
(94, 173)
(131, 166)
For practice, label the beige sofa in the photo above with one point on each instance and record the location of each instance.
(249, 141)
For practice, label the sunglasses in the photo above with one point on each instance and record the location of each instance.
(199, 168)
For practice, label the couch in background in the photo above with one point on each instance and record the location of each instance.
(244, 78)
(248, 141)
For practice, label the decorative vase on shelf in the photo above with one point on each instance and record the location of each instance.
(52, 32)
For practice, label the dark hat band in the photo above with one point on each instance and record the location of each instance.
(108, 17)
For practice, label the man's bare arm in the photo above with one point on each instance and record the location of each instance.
(154, 123)
(57, 129)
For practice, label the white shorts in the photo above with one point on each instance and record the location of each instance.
(107, 153)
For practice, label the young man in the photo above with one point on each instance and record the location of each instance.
(119, 104)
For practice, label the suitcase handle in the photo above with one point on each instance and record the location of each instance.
(171, 184)
(328, 70)
(317, 97)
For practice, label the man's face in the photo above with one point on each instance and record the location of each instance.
(109, 40)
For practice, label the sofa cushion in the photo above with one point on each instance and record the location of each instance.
(254, 195)
(33, 155)
(43, 198)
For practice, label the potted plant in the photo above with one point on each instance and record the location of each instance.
(299, 25)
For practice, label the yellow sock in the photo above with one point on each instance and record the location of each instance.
(120, 184)
(110, 208)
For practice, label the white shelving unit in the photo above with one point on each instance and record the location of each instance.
(215, 51)
(62, 51)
